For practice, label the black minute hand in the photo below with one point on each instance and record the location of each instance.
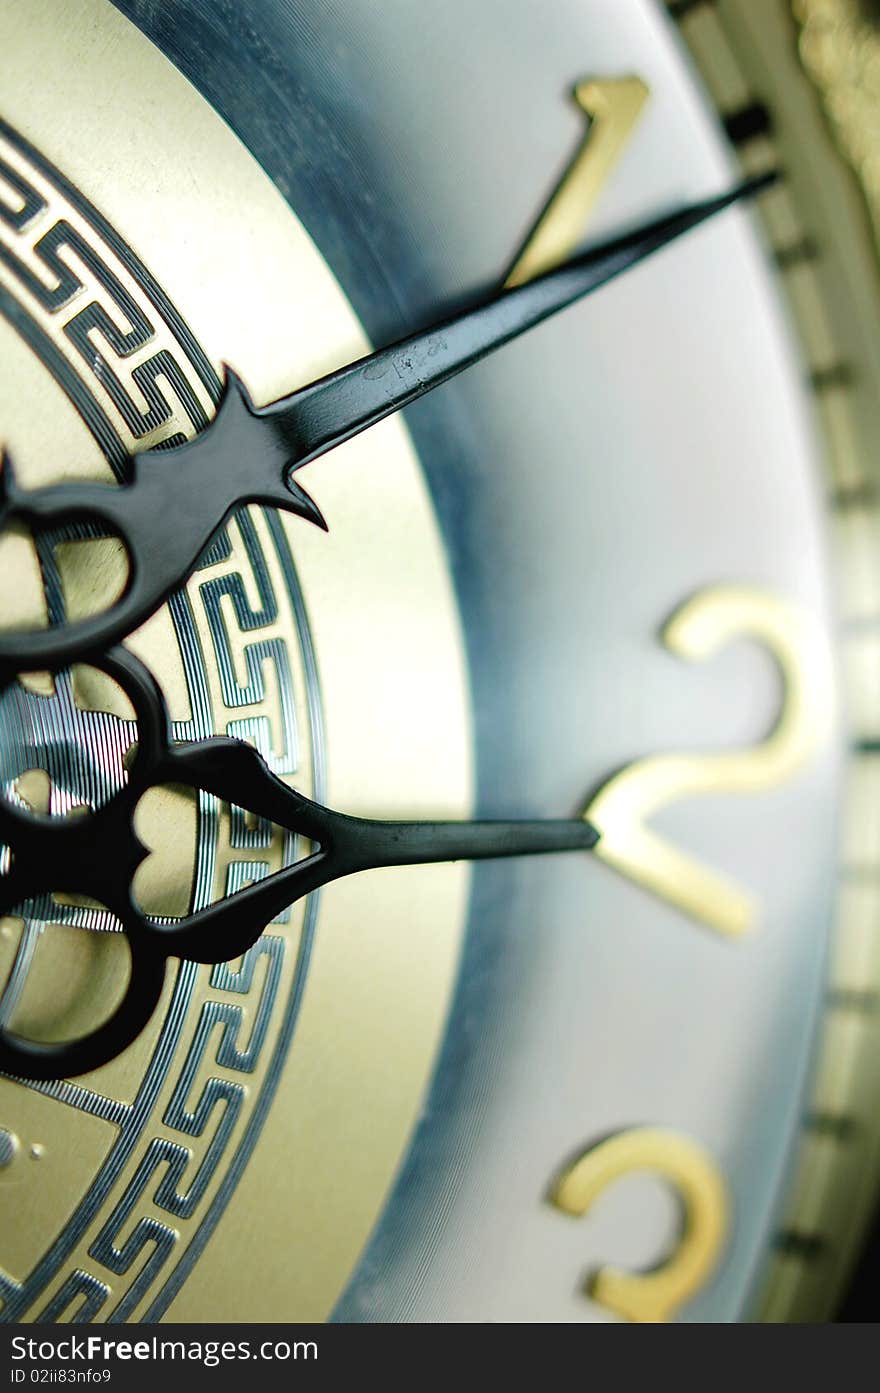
(176, 499)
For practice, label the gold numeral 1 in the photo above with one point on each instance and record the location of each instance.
(622, 806)
(613, 106)
(656, 1295)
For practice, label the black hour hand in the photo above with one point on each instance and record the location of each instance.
(98, 855)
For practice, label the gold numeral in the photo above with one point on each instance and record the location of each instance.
(693, 1175)
(613, 106)
(620, 808)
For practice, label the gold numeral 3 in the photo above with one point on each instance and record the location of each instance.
(698, 1185)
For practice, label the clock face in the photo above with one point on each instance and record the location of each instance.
(591, 574)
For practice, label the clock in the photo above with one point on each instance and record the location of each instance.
(598, 575)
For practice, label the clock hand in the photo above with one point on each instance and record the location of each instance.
(177, 499)
(342, 404)
(98, 855)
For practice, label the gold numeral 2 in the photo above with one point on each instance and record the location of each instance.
(698, 1185)
(622, 806)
